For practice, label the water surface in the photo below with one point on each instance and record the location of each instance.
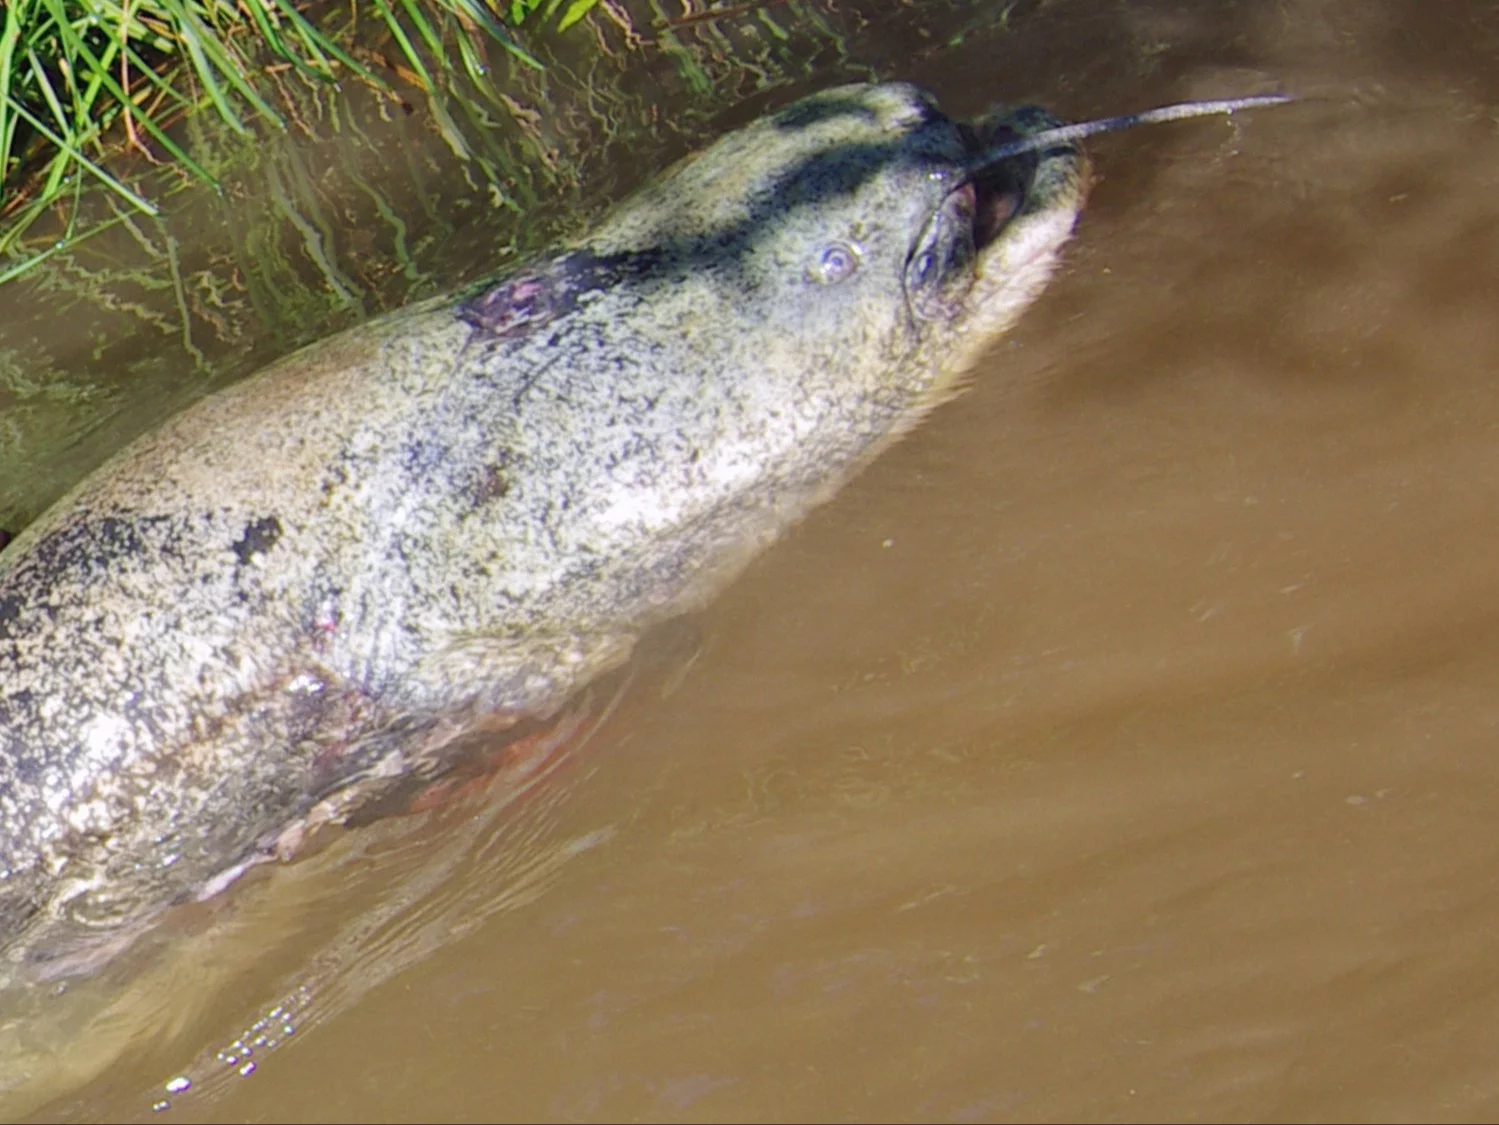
(1124, 744)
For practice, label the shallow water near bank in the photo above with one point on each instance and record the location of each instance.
(1121, 745)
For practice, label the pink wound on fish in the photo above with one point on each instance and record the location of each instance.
(515, 307)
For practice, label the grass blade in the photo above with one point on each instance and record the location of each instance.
(575, 11)
(211, 57)
(481, 16)
(41, 127)
(103, 75)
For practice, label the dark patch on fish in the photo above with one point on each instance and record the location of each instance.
(90, 548)
(86, 552)
(494, 481)
(813, 111)
(260, 536)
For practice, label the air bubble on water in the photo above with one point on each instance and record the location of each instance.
(266, 1033)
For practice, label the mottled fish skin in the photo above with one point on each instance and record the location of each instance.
(458, 514)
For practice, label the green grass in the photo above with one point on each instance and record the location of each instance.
(82, 80)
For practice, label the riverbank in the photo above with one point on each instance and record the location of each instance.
(84, 82)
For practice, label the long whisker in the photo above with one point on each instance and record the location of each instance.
(1064, 134)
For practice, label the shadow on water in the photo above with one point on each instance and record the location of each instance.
(1119, 745)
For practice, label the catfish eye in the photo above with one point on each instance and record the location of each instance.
(835, 262)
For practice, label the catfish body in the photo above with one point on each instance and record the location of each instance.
(310, 585)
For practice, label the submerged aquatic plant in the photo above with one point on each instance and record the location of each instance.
(80, 80)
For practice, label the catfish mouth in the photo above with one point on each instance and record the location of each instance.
(997, 185)
(999, 190)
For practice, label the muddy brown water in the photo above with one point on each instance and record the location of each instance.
(1123, 745)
